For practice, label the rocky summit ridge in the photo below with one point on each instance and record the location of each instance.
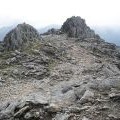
(20, 35)
(71, 74)
(76, 27)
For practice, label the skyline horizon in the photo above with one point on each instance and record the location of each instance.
(108, 33)
(38, 26)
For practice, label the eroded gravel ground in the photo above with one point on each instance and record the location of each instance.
(72, 76)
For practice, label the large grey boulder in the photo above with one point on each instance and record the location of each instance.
(28, 107)
(76, 27)
(20, 35)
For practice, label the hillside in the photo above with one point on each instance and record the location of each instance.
(60, 77)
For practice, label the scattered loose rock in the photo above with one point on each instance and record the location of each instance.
(59, 77)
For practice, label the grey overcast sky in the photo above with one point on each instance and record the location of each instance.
(40, 13)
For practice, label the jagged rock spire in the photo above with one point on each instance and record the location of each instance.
(20, 35)
(76, 27)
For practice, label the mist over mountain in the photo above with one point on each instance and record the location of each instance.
(110, 34)
(4, 31)
(45, 29)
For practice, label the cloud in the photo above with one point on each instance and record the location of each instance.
(44, 12)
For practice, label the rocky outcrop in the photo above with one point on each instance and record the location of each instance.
(76, 27)
(20, 35)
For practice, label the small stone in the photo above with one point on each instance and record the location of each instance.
(104, 108)
(15, 71)
(1, 80)
(77, 109)
(111, 95)
(11, 60)
(36, 52)
(53, 108)
(28, 116)
(114, 97)
(36, 98)
(112, 116)
(13, 54)
(88, 95)
(17, 52)
(37, 114)
(84, 118)
(21, 111)
(61, 117)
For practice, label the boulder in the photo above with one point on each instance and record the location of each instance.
(115, 97)
(87, 97)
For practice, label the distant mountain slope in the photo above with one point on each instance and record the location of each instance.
(45, 29)
(109, 34)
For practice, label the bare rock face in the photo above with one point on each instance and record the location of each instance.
(76, 27)
(20, 35)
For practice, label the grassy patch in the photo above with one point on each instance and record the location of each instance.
(5, 55)
(31, 46)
